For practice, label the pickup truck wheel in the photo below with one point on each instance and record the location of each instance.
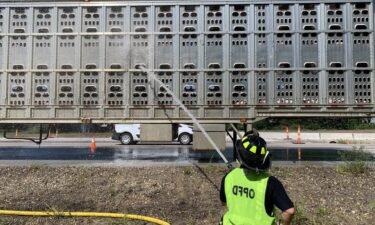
(126, 139)
(185, 138)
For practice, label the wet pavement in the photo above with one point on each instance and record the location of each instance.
(111, 152)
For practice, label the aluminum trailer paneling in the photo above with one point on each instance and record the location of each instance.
(62, 61)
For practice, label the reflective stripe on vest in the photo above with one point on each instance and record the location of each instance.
(245, 194)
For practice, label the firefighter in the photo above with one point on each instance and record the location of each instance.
(249, 192)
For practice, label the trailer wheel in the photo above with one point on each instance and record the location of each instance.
(185, 138)
(126, 139)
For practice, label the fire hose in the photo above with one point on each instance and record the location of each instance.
(83, 214)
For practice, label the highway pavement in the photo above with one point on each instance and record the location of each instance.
(77, 151)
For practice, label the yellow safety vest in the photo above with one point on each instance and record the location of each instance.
(245, 192)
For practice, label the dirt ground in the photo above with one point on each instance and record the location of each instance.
(179, 195)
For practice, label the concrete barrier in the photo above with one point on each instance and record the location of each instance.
(364, 136)
(315, 136)
(292, 135)
(336, 136)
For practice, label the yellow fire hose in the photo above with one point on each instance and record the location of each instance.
(83, 214)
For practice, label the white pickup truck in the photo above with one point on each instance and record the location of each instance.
(130, 133)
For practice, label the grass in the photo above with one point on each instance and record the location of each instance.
(351, 141)
(344, 141)
(34, 168)
(191, 221)
(214, 168)
(119, 221)
(56, 212)
(372, 204)
(320, 214)
(112, 190)
(322, 211)
(303, 218)
(354, 162)
(187, 171)
(300, 217)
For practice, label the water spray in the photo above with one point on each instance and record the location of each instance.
(195, 121)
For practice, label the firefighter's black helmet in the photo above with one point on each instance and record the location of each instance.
(252, 152)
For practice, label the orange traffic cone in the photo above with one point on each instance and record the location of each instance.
(299, 135)
(93, 145)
